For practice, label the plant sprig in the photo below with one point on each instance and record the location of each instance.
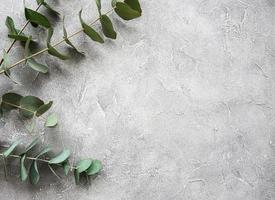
(85, 167)
(127, 10)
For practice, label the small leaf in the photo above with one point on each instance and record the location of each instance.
(44, 108)
(29, 105)
(43, 151)
(34, 173)
(63, 156)
(23, 170)
(126, 12)
(76, 177)
(26, 49)
(107, 27)
(51, 49)
(36, 18)
(50, 9)
(32, 144)
(66, 167)
(21, 38)
(7, 152)
(10, 101)
(90, 31)
(51, 121)
(98, 4)
(83, 165)
(66, 37)
(95, 168)
(37, 66)
(134, 4)
(10, 25)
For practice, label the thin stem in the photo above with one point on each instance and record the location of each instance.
(54, 45)
(23, 28)
(29, 158)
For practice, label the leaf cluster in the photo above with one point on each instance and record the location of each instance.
(30, 161)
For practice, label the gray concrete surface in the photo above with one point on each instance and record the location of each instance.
(180, 106)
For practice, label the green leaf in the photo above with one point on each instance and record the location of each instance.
(44, 108)
(10, 101)
(51, 121)
(134, 4)
(37, 66)
(66, 167)
(36, 18)
(107, 27)
(65, 36)
(10, 25)
(23, 170)
(51, 49)
(7, 152)
(63, 156)
(29, 105)
(90, 31)
(50, 9)
(5, 64)
(95, 168)
(27, 45)
(34, 173)
(98, 4)
(83, 165)
(126, 12)
(32, 144)
(76, 176)
(43, 151)
(21, 38)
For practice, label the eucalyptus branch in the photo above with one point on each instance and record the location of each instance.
(54, 45)
(21, 31)
(85, 167)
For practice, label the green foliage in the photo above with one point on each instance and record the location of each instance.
(85, 166)
(36, 18)
(31, 106)
(90, 31)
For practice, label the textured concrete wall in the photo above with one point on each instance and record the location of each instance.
(180, 106)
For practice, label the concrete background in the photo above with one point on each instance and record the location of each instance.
(180, 106)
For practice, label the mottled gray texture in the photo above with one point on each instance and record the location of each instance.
(180, 106)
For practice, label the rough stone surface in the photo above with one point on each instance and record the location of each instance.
(180, 106)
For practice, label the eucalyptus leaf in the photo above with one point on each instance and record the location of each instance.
(95, 168)
(83, 165)
(36, 18)
(134, 4)
(126, 12)
(29, 105)
(51, 49)
(32, 144)
(66, 167)
(63, 156)
(20, 37)
(65, 36)
(51, 121)
(10, 25)
(89, 31)
(76, 177)
(107, 27)
(10, 101)
(8, 151)
(23, 170)
(98, 4)
(37, 66)
(47, 6)
(34, 173)
(44, 108)
(43, 151)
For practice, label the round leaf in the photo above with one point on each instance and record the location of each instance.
(52, 121)
(83, 165)
(95, 167)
